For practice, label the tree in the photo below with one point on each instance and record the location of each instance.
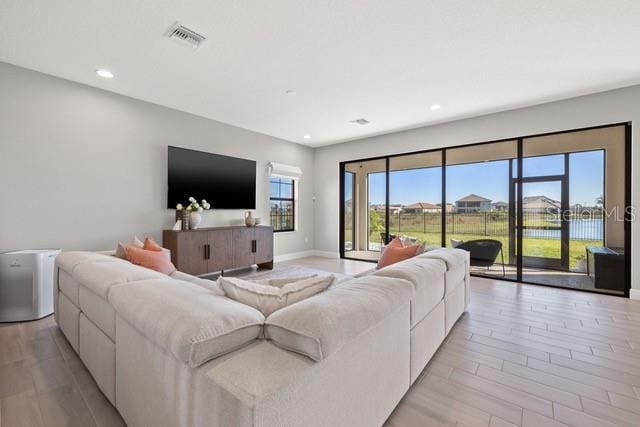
(375, 222)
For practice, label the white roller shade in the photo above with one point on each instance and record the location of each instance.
(286, 171)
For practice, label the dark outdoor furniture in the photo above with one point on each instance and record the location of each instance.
(605, 266)
(484, 252)
(386, 238)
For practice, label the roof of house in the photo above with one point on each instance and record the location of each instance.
(473, 198)
(543, 198)
(501, 203)
(540, 203)
(422, 205)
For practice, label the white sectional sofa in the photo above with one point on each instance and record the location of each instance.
(174, 351)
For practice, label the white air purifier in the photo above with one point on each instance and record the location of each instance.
(26, 284)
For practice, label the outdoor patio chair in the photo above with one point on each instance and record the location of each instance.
(386, 238)
(484, 252)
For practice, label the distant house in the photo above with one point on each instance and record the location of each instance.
(473, 203)
(393, 209)
(422, 207)
(450, 207)
(500, 206)
(540, 204)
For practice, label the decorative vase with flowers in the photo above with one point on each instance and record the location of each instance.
(194, 209)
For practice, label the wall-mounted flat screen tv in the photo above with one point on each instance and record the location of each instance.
(225, 182)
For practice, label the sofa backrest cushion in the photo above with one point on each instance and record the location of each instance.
(100, 272)
(211, 285)
(427, 275)
(320, 326)
(186, 320)
(452, 257)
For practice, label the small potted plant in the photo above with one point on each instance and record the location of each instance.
(195, 209)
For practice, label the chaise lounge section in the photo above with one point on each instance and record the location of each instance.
(174, 351)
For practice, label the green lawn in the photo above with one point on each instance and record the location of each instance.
(547, 248)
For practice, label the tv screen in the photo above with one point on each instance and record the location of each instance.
(225, 182)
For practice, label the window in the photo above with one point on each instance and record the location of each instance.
(282, 203)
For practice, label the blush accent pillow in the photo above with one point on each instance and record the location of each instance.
(395, 243)
(268, 299)
(153, 260)
(394, 254)
(151, 245)
(121, 251)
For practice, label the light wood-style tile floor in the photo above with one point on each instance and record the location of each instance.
(43, 382)
(530, 356)
(522, 355)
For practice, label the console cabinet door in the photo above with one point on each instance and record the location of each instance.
(264, 245)
(220, 252)
(190, 256)
(243, 255)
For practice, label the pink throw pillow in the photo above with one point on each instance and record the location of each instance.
(394, 254)
(395, 243)
(151, 245)
(154, 260)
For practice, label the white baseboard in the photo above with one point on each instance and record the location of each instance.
(293, 255)
(303, 254)
(634, 294)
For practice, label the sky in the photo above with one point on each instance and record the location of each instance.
(491, 180)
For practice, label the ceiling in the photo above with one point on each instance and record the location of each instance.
(386, 61)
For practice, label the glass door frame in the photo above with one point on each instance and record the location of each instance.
(515, 204)
(353, 207)
(517, 231)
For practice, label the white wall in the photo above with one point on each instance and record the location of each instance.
(621, 105)
(82, 168)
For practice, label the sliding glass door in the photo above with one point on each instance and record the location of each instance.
(415, 197)
(364, 208)
(549, 209)
(478, 191)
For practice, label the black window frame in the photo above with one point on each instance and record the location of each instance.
(517, 208)
(291, 199)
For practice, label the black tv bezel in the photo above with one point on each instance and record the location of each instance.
(255, 163)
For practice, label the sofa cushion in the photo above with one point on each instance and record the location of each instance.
(320, 326)
(211, 285)
(186, 320)
(69, 287)
(267, 298)
(457, 261)
(428, 279)
(99, 311)
(454, 278)
(451, 256)
(68, 261)
(101, 276)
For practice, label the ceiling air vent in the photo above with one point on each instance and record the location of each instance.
(361, 122)
(185, 35)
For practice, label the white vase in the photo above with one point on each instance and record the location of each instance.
(248, 219)
(194, 220)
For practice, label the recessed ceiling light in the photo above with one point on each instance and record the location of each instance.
(307, 137)
(435, 107)
(104, 73)
(291, 92)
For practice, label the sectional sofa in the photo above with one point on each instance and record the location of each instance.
(174, 351)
